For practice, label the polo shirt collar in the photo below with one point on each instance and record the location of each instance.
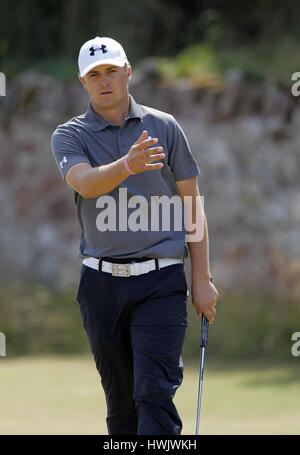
(95, 121)
(135, 110)
(98, 123)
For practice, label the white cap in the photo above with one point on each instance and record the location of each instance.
(100, 51)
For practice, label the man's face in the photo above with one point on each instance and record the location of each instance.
(107, 85)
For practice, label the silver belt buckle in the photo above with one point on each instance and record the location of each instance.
(120, 269)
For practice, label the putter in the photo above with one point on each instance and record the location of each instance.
(203, 344)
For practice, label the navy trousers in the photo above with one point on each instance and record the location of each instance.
(136, 326)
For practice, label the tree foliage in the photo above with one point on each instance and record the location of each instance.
(33, 30)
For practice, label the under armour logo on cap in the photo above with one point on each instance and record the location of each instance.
(93, 50)
(100, 51)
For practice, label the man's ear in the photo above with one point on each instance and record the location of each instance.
(82, 81)
(129, 71)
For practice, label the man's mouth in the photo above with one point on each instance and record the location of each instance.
(105, 92)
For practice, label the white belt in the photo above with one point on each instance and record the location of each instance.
(134, 268)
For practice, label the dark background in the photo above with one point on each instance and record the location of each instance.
(32, 30)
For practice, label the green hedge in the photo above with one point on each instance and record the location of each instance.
(247, 325)
(39, 319)
(206, 65)
(36, 319)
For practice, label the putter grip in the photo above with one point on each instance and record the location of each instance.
(204, 329)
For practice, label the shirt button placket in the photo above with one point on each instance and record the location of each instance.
(121, 141)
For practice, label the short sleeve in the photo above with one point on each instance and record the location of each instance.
(67, 149)
(180, 159)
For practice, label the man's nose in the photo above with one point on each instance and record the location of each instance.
(103, 81)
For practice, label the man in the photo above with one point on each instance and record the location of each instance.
(132, 290)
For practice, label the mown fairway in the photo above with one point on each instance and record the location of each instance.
(63, 395)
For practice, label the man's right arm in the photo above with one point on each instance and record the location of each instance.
(91, 182)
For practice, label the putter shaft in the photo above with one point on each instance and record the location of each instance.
(203, 344)
(200, 389)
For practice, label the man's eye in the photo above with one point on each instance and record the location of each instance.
(112, 71)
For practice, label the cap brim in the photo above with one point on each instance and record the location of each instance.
(113, 62)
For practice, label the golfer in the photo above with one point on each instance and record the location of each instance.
(121, 158)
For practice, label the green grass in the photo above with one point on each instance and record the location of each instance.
(63, 395)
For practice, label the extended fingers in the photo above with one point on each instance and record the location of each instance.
(142, 137)
(152, 150)
(142, 154)
(145, 143)
(154, 156)
(150, 167)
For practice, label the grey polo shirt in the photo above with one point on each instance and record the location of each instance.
(128, 221)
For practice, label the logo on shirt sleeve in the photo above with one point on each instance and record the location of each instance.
(63, 162)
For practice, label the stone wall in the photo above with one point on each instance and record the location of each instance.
(244, 138)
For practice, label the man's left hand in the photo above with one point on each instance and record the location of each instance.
(204, 296)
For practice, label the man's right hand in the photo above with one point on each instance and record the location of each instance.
(91, 182)
(141, 154)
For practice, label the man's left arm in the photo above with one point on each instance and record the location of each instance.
(204, 293)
